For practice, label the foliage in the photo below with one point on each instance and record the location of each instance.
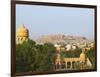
(91, 55)
(72, 53)
(32, 57)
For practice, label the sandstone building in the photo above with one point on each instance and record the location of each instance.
(22, 35)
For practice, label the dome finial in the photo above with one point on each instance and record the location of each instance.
(23, 26)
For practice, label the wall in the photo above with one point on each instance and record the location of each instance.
(5, 51)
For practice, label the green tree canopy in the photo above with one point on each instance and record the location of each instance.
(32, 57)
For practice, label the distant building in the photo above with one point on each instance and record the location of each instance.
(74, 47)
(91, 44)
(22, 35)
(68, 47)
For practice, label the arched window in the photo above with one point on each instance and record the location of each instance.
(73, 64)
(68, 64)
(18, 38)
(21, 38)
(63, 66)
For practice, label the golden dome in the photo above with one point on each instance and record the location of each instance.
(82, 56)
(22, 32)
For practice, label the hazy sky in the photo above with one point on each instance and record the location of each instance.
(44, 20)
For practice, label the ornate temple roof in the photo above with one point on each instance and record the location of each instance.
(22, 32)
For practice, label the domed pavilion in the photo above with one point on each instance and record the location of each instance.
(22, 34)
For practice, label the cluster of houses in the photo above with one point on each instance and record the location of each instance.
(68, 47)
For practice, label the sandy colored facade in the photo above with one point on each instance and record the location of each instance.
(22, 35)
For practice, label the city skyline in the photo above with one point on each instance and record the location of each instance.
(47, 20)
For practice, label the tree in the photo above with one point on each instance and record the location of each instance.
(91, 55)
(47, 57)
(32, 57)
(25, 56)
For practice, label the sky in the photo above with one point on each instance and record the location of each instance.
(48, 20)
